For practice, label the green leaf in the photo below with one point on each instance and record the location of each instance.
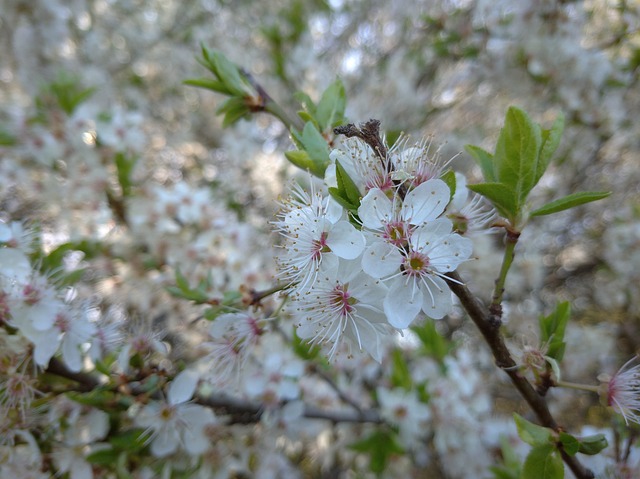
(550, 141)
(516, 154)
(433, 343)
(103, 457)
(449, 177)
(304, 349)
(530, 433)
(502, 197)
(592, 445)
(208, 84)
(336, 194)
(131, 440)
(400, 374)
(230, 75)
(543, 462)
(307, 103)
(314, 151)
(301, 159)
(552, 330)
(124, 166)
(570, 201)
(570, 444)
(380, 445)
(347, 187)
(484, 160)
(330, 110)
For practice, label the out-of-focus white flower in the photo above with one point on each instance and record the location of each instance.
(404, 410)
(175, 424)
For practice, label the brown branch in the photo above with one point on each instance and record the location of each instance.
(481, 316)
(242, 411)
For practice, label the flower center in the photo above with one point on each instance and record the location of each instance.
(416, 264)
(397, 233)
(342, 300)
(319, 246)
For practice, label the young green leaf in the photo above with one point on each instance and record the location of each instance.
(570, 444)
(484, 160)
(449, 177)
(208, 84)
(330, 111)
(400, 374)
(552, 330)
(592, 445)
(550, 141)
(516, 154)
(571, 201)
(543, 462)
(347, 187)
(380, 445)
(530, 433)
(501, 196)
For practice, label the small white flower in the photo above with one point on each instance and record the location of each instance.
(622, 391)
(344, 304)
(315, 238)
(403, 409)
(412, 247)
(174, 425)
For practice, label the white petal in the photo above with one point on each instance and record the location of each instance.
(71, 354)
(375, 210)
(183, 386)
(345, 241)
(381, 259)
(425, 202)
(447, 256)
(46, 346)
(437, 300)
(165, 442)
(402, 304)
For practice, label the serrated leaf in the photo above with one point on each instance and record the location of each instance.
(570, 444)
(330, 110)
(550, 141)
(543, 462)
(516, 154)
(485, 162)
(530, 433)
(501, 197)
(592, 445)
(552, 330)
(570, 201)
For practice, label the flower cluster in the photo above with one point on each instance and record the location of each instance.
(364, 272)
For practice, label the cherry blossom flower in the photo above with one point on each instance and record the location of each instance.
(175, 424)
(622, 391)
(316, 236)
(346, 303)
(404, 410)
(413, 247)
